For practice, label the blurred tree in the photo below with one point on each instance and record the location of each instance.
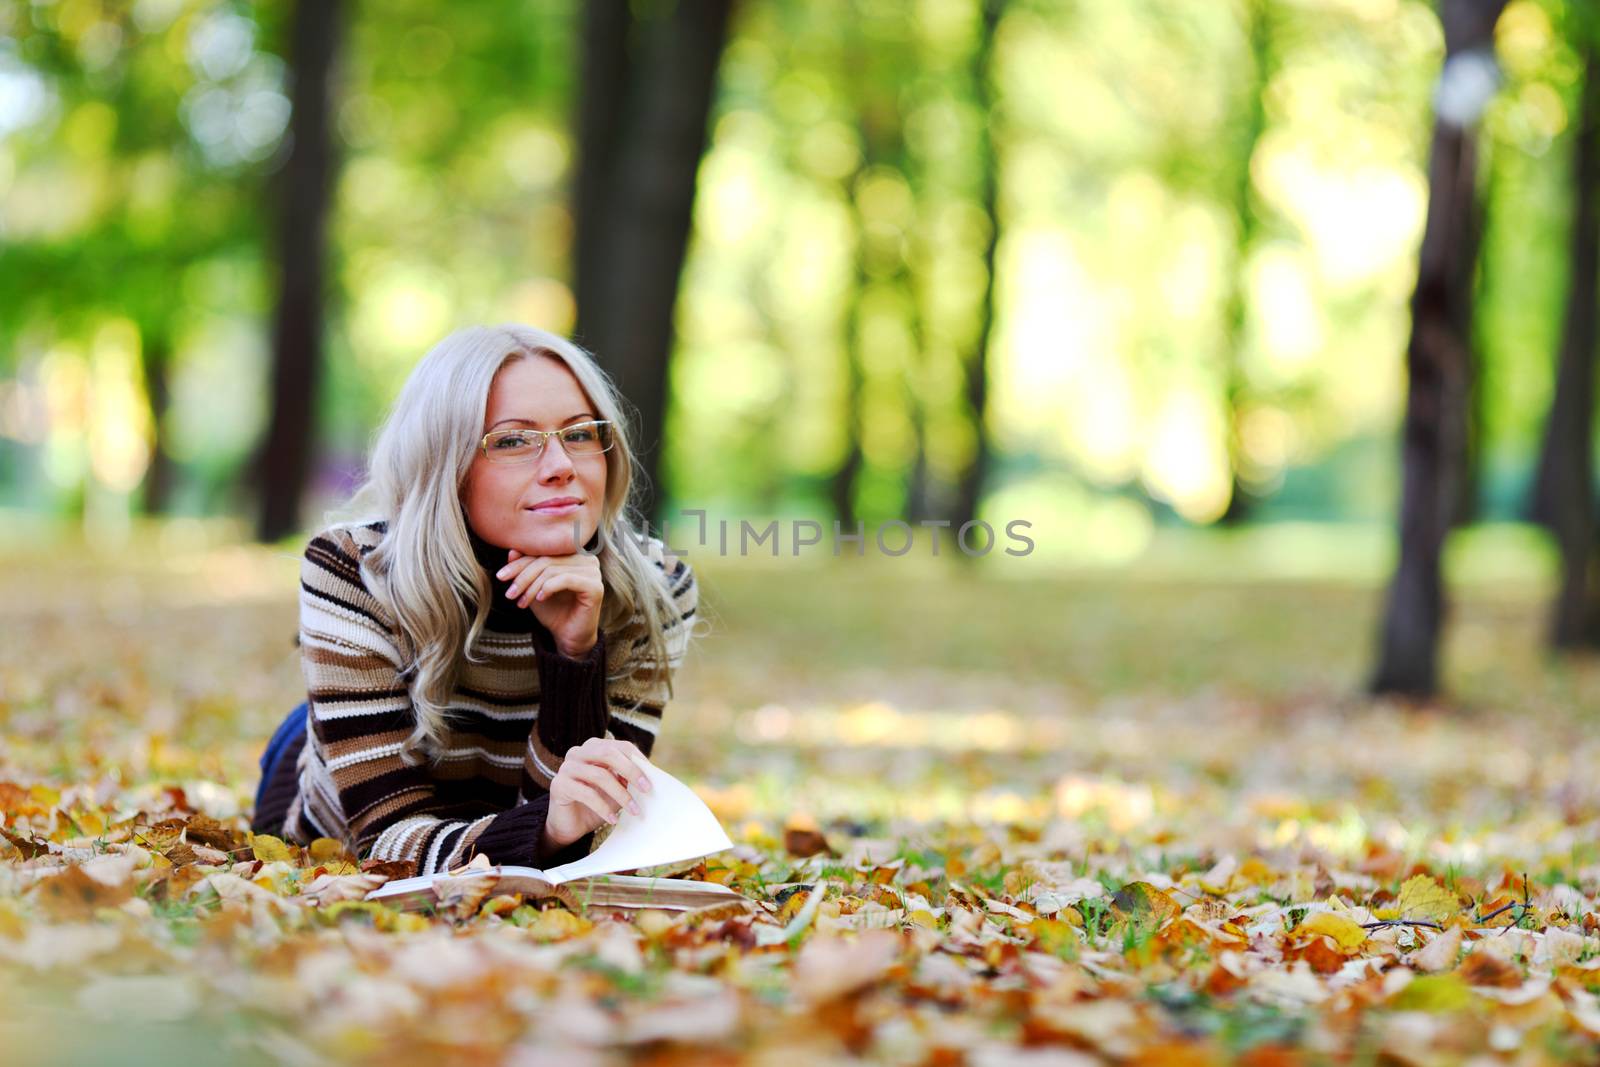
(970, 485)
(297, 333)
(1564, 495)
(881, 192)
(649, 76)
(1247, 213)
(1438, 357)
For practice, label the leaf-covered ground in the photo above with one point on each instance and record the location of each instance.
(986, 820)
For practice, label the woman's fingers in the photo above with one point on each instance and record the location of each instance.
(608, 783)
(581, 792)
(528, 568)
(623, 759)
(620, 758)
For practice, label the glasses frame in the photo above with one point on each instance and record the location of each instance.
(544, 441)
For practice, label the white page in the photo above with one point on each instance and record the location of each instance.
(674, 824)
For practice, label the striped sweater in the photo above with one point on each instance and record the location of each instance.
(489, 793)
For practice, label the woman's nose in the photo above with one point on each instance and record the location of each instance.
(554, 463)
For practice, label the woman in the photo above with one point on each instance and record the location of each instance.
(489, 653)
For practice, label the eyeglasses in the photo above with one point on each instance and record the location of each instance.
(517, 445)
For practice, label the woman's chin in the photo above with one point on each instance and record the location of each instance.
(555, 541)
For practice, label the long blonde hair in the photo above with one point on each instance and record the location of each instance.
(424, 568)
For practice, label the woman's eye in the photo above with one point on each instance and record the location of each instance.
(515, 440)
(580, 435)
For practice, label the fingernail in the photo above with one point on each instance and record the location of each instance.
(633, 806)
(501, 573)
(644, 784)
(509, 593)
(611, 819)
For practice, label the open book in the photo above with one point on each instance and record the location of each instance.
(673, 825)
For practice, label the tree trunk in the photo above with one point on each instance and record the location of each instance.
(1258, 31)
(1438, 359)
(1564, 495)
(160, 475)
(602, 103)
(648, 94)
(284, 459)
(969, 488)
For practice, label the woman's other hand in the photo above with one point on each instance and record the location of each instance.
(592, 787)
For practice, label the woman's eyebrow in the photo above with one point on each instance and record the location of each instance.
(535, 422)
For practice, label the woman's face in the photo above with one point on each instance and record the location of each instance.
(502, 499)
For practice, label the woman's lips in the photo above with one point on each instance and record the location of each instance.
(557, 509)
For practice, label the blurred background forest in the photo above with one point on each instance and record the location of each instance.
(1252, 277)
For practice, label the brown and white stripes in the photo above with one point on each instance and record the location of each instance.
(489, 792)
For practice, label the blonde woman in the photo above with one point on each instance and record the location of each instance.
(489, 646)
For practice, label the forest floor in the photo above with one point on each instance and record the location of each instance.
(1057, 819)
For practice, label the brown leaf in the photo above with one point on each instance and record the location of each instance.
(801, 843)
(1483, 969)
(30, 847)
(208, 831)
(390, 869)
(78, 891)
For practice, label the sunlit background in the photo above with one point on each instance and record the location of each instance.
(1206, 221)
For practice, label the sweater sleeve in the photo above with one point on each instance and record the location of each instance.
(633, 706)
(359, 788)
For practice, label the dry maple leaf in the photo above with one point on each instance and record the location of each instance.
(79, 890)
(30, 847)
(1423, 900)
(1483, 969)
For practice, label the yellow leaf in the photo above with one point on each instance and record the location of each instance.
(1434, 992)
(1423, 899)
(269, 849)
(1143, 903)
(325, 850)
(1345, 932)
(557, 924)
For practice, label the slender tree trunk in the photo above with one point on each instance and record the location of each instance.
(1438, 360)
(1258, 30)
(285, 458)
(160, 474)
(970, 486)
(1564, 493)
(1469, 501)
(645, 122)
(842, 485)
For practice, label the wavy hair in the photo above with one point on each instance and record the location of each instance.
(424, 569)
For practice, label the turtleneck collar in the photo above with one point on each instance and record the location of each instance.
(504, 615)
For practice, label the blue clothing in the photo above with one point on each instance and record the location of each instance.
(290, 734)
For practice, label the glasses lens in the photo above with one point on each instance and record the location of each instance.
(586, 438)
(513, 445)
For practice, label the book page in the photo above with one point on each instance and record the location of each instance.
(674, 824)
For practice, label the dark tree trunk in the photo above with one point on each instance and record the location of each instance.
(969, 488)
(284, 459)
(1564, 497)
(1438, 365)
(602, 108)
(1258, 30)
(160, 475)
(648, 91)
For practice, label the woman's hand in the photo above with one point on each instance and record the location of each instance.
(564, 592)
(591, 787)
